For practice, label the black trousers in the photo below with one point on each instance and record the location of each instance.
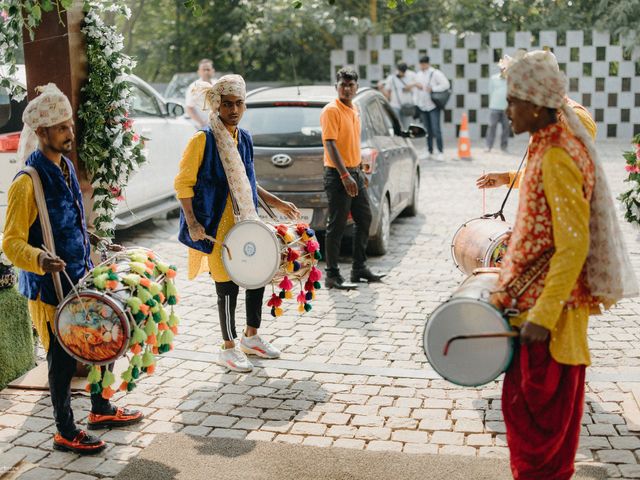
(62, 366)
(227, 300)
(340, 205)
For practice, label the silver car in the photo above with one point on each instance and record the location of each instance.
(285, 125)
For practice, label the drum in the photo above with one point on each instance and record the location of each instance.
(92, 326)
(94, 322)
(466, 339)
(481, 242)
(257, 253)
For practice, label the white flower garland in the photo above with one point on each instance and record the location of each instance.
(108, 148)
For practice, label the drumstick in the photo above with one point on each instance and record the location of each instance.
(213, 240)
(478, 335)
(484, 196)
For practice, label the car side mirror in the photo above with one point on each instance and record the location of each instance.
(414, 131)
(175, 109)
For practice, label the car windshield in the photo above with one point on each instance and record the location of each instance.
(285, 126)
(177, 87)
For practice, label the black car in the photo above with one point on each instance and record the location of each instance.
(285, 125)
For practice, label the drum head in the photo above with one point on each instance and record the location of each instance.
(470, 362)
(93, 329)
(255, 254)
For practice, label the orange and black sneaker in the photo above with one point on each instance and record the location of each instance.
(120, 418)
(83, 443)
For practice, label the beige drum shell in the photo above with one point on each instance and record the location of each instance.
(470, 362)
(475, 241)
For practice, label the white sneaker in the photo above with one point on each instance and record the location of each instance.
(234, 360)
(256, 345)
(440, 157)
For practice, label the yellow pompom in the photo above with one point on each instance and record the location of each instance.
(301, 307)
(288, 295)
(278, 311)
(288, 237)
(289, 267)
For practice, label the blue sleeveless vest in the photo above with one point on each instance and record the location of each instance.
(211, 189)
(66, 215)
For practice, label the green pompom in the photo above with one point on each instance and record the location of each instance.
(135, 373)
(318, 255)
(108, 379)
(317, 285)
(307, 307)
(130, 386)
(95, 388)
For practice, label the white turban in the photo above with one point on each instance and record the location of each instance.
(49, 108)
(234, 168)
(536, 77)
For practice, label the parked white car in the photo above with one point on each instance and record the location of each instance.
(150, 191)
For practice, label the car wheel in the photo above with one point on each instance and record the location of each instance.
(379, 243)
(412, 208)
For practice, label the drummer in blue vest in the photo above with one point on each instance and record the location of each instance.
(47, 136)
(216, 167)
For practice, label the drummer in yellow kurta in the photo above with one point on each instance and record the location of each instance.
(45, 140)
(218, 163)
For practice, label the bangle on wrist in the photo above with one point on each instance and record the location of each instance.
(344, 175)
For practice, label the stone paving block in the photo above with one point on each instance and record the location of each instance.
(458, 450)
(410, 436)
(350, 399)
(630, 471)
(594, 443)
(342, 431)
(277, 426)
(277, 414)
(228, 433)
(599, 429)
(86, 464)
(469, 426)
(31, 455)
(196, 430)
(625, 443)
(373, 433)
(608, 418)
(260, 436)
(367, 421)
(222, 421)
(335, 418)
(162, 427)
(420, 448)
(78, 476)
(479, 440)
(430, 413)
(111, 468)
(304, 428)
(366, 410)
(401, 423)
(216, 407)
(349, 443)
(144, 440)
(395, 412)
(57, 460)
(432, 424)
(294, 439)
(496, 427)
(268, 403)
(234, 399)
(39, 473)
(318, 441)
(22, 422)
(122, 452)
(164, 415)
(119, 436)
(616, 456)
(447, 438)
(32, 439)
(384, 446)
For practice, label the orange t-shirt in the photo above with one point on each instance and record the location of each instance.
(342, 124)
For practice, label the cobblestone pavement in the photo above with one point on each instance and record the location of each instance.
(353, 373)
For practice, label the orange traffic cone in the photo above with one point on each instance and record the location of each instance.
(464, 142)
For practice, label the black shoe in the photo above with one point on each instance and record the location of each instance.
(366, 274)
(82, 443)
(339, 283)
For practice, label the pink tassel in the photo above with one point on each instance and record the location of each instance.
(286, 284)
(315, 275)
(312, 246)
(301, 298)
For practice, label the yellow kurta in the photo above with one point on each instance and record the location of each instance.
(570, 210)
(186, 179)
(21, 214)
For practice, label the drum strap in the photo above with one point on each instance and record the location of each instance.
(516, 288)
(45, 224)
(500, 213)
(261, 202)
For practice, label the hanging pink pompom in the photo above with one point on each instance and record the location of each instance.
(315, 275)
(312, 246)
(286, 284)
(275, 301)
(301, 297)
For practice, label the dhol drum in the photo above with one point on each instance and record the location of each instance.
(467, 340)
(480, 243)
(94, 322)
(256, 253)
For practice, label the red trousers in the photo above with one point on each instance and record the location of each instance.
(542, 404)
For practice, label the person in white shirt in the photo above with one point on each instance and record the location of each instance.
(498, 111)
(398, 90)
(430, 79)
(194, 100)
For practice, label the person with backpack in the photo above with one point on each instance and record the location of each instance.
(398, 90)
(431, 89)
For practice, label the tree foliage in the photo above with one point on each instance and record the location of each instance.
(266, 39)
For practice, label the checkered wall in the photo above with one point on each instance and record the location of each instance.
(603, 75)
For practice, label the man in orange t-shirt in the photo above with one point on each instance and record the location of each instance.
(344, 183)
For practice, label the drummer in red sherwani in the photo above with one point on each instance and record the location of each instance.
(565, 212)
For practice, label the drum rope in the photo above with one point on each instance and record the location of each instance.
(500, 213)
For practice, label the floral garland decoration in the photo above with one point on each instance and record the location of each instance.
(109, 148)
(631, 198)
